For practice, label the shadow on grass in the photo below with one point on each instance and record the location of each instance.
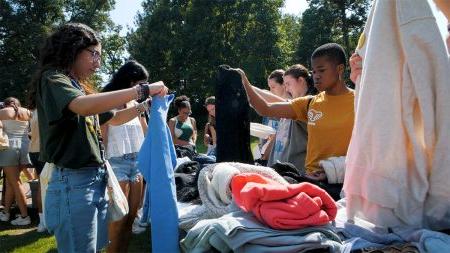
(140, 242)
(25, 239)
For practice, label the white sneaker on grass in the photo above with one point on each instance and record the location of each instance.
(21, 221)
(4, 216)
(137, 228)
(41, 227)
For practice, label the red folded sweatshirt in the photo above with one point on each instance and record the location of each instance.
(281, 206)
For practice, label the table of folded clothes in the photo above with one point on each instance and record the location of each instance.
(235, 207)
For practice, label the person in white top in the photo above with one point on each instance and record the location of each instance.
(122, 143)
(14, 158)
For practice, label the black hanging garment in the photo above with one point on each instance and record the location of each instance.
(232, 118)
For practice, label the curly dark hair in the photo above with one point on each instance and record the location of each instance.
(60, 50)
(182, 102)
(131, 71)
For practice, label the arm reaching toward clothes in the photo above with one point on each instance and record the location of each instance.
(262, 107)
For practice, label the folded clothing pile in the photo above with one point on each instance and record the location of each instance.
(282, 206)
(215, 192)
(241, 232)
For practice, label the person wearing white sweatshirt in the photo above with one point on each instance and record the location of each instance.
(400, 142)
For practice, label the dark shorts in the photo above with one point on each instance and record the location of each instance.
(38, 165)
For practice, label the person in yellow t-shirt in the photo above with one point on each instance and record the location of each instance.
(329, 114)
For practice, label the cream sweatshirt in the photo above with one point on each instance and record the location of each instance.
(398, 162)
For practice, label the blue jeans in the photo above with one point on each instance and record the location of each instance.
(125, 168)
(75, 209)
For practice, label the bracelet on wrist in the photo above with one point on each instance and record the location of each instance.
(137, 89)
(143, 107)
(144, 92)
(139, 109)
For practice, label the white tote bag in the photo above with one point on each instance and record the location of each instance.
(118, 204)
(44, 178)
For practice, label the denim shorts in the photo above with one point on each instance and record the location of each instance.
(125, 168)
(76, 209)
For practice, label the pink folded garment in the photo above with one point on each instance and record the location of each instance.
(283, 206)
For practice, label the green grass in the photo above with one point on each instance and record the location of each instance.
(28, 240)
(201, 148)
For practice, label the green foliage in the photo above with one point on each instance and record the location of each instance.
(183, 42)
(113, 47)
(325, 21)
(289, 30)
(25, 24)
(92, 13)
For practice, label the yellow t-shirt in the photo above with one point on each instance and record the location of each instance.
(330, 123)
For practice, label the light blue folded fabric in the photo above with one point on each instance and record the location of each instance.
(242, 232)
(365, 235)
(157, 159)
(358, 237)
(427, 241)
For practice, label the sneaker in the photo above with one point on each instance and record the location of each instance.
(41, 227)
(137, 228)
(4, 216)
(21, 221)
(144, 224)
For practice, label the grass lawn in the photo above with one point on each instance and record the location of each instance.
(26, 239)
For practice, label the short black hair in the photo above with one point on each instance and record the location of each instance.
(333, 51)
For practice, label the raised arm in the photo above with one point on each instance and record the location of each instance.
(102, 102)
(268, 96)
(261, 106)
(125, 115)
(356, 67)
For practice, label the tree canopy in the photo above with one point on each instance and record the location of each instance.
(25, 24)
(181, 42)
